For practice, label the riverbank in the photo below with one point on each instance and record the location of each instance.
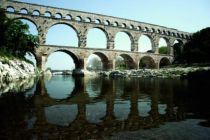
(15, 69)
(176, 72)
(184, 130)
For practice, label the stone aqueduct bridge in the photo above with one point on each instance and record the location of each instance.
(45, 17)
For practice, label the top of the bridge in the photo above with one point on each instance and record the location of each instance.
(93, 16)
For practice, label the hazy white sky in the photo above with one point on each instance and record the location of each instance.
(184, 15)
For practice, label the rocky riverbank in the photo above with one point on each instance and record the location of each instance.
(14, 70)
(176, 72)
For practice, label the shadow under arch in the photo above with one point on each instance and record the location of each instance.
(147, 62)
(104, 60)
(164, 62)
(178, 47)
(128, 60)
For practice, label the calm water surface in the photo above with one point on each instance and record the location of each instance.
(65, 107)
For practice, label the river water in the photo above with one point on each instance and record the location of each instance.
(64, 107)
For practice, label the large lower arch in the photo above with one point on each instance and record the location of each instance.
(147, 62)
(97, 38)
(128, 60)
(104, 60)
(62, 62)
(62, 34)
(164, 62)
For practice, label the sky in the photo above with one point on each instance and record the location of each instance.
(185, 15)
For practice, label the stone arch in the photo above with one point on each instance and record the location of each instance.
(71, 29)
(163, 45)
(88, 19)
(48, 14)
(104, 60)
(29, 19)
(23, 11)
(58, 15)
(97, 38)
(106, 22)
(128, 60)
(123, 25)
(145, 43)
(122, 38)
(178, 47)
(147, 62)
(36, 13)
(68, 16)
(115, 24)
(78, 18)
(10, 9)
(98, 21)
(78, 64)
(164, 62)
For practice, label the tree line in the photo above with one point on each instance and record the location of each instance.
(196, 50)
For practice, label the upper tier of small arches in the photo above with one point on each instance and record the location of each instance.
(64, 14)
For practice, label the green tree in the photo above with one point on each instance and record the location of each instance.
(197, 49)
(15, 38)
(163, 50)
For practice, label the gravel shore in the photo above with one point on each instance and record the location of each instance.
(183, 130)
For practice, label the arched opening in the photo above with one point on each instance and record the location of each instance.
(23, 11)
(32, 27)
(162, 48)
(97, 61)
(58, 15)
(178, 44)
(69, 17)
(164, 62)
(36, 13)
(63, 61)
(120, 63)
(78, 18)
(115, 24)
(123, 25)
(87, 19)
(94, 63)
(97, 21)
(131, 27)
(124, 61)
(106, 22)
(145, 44)
(62, 35)
(122, 41)
(138, 28)
(96, 38)
(147, 62)
(10, 9)
(47, 14)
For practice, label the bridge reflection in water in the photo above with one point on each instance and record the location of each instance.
(67, 107)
